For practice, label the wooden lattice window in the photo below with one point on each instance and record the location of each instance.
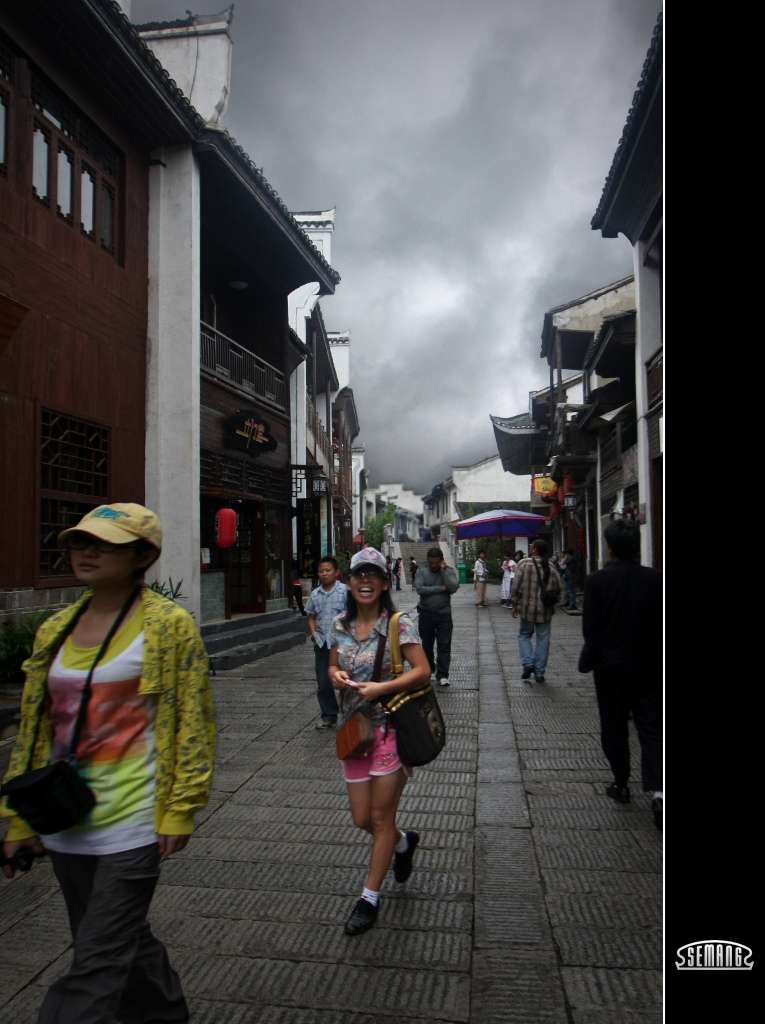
(74, 478)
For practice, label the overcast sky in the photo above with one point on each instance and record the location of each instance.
(465, 144)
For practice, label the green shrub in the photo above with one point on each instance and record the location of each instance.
(17, 638)
(168, 589)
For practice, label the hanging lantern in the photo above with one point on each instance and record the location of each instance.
(561, 495)
(569, 485)
(225, 527)
(555, 509)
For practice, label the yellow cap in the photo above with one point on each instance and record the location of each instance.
(120, 523)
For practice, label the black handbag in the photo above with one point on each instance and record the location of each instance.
(549, 597)
(56, 797)
(414, 714)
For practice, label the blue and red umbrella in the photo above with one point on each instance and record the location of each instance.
(500, 522)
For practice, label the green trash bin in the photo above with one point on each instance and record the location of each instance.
(462, 571)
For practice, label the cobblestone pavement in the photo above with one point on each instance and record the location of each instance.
(534, 899)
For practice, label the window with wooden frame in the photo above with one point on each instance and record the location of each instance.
(75, 168)
(74, 478)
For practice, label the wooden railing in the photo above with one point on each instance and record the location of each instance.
(317, 429)
(231, 362)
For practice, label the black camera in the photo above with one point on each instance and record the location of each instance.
(22, 860)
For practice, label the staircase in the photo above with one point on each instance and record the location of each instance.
(234, 642)
(419, 551)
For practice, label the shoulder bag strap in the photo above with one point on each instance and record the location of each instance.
(377, 671)
(396, 660)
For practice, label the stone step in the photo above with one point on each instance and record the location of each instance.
(243, 621)
(254, 632)
(246, 653)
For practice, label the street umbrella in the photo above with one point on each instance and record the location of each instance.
(500, 522)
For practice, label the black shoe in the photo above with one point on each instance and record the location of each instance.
(657, 806)
(619, 793)
(363, 917)
(528, 670)
(539, 679)
(402, 862)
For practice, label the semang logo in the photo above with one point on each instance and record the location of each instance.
(714, 955)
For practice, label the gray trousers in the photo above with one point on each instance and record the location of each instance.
(118, 967)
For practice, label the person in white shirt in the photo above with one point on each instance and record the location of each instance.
(481, 573)
(508, 575)
(324, 605)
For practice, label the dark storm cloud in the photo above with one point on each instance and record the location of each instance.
(465, 145)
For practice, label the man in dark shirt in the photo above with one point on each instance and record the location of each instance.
(569, 577)
(435, 583)
(623, 631)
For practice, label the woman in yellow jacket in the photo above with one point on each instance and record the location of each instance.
(146, 751)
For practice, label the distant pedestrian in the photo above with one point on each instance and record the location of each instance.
(623, 633)
(375, 780)
(297, 588)
(481, 576)
(536, 589)
(435, 583)
(508, 575)
(412, 570)
(570, 569)
(324, 605)
(398, 569)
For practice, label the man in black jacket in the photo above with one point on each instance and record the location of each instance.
(435, 583)
(623, 631)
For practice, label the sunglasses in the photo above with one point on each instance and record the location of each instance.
(84, 541)
(363, 574)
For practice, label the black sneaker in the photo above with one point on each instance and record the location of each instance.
(619, 793)
(363, 917)
(402, 862)
(539, 679)
(528, 670)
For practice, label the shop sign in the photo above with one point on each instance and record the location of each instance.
(543, 485)
(309, 535)
(249, 432)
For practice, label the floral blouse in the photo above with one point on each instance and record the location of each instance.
(357, 658)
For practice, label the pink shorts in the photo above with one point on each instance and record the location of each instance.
(381, 759)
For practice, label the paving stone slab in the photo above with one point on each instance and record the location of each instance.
(509, 906)
(557, 761)
(502, 803)
(423, 995)
(601, 882)
(594, 817)
(513, 986)
(589, 910)
(204, 1011)
(610, 947)
(596, 858)
(616, 1015)
(499, 765)
(599, 987)
(326, 909)
(18, 902)
(415, 950)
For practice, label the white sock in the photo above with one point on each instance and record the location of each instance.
(370, 896)
(658, 795)
(402, 845)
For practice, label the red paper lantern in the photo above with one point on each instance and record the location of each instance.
(225, 527)
(569, 485)
(561, 495)
(555, 509)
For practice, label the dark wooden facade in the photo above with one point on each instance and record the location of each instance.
(75, 368)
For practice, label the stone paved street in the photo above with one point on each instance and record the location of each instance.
(533, 898)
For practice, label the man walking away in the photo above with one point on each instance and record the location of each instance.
(622, 627)
(324, 605)
(536, 589)
(435, 583)
(481, 574)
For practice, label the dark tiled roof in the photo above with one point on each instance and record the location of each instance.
(652, 69)
(195, 122)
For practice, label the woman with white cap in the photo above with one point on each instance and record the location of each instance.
(121, 676)
(376, 780)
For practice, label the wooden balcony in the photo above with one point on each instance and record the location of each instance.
(316, 429)
(231, 362)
